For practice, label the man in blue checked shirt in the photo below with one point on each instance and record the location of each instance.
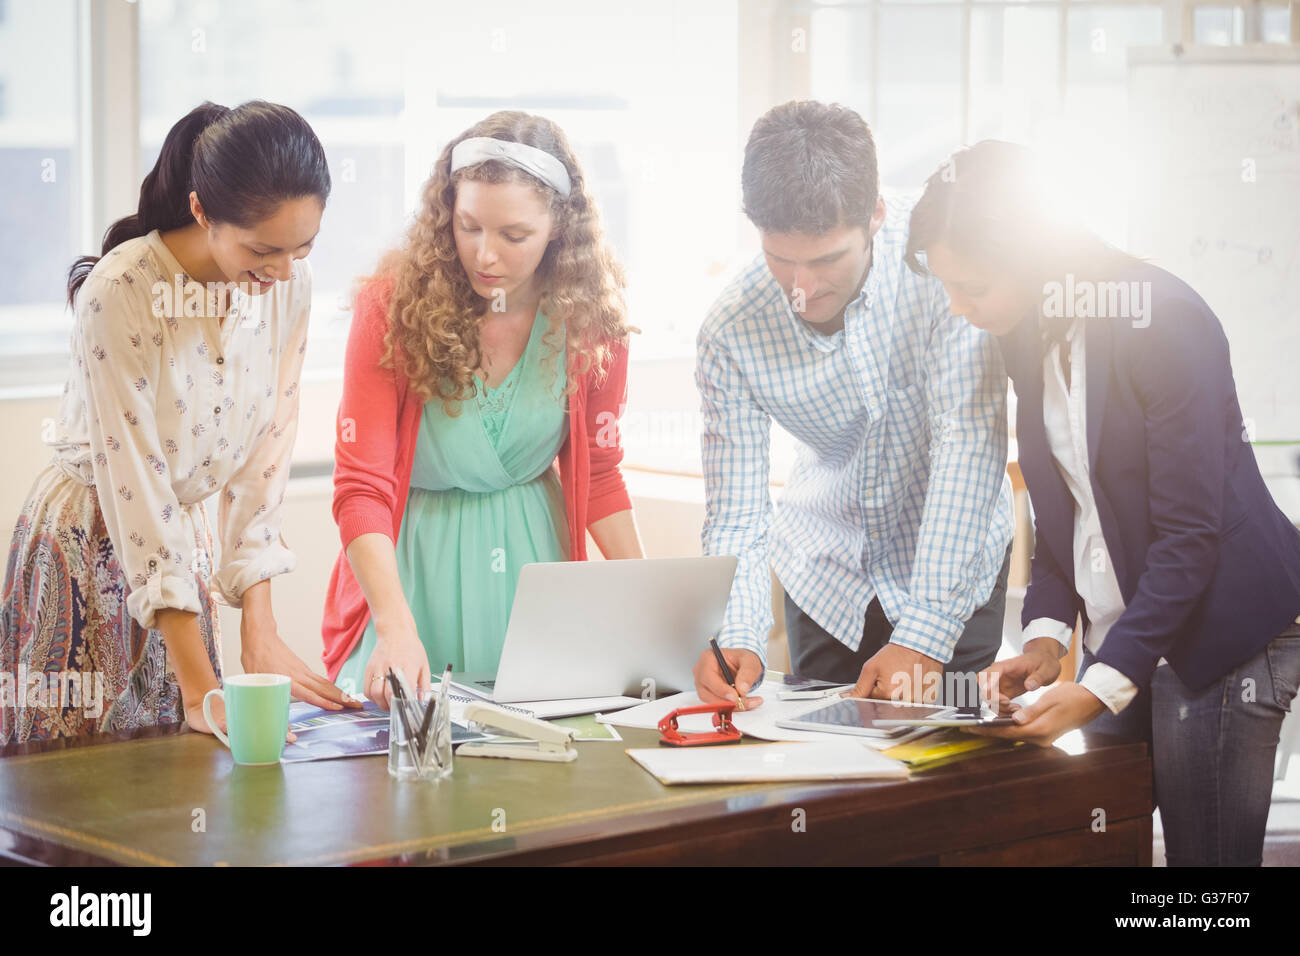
(893, 534)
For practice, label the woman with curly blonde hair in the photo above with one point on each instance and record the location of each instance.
(485, 375)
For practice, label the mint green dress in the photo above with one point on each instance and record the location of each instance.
(484, 501)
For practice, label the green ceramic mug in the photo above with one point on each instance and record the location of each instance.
(257, 716)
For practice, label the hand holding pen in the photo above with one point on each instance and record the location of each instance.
(726, 675)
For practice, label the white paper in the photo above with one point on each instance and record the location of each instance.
(759, 722)
(842, 759)
(646, 716)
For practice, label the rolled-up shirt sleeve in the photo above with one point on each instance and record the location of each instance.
(1109, 686)
(968, 498)
(735, 445)
(119, 360)
(249, 519)
(1058, 631)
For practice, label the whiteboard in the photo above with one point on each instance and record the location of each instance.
(1215, 135)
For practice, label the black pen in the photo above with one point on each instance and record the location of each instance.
(436, 700)
(729, 677)
(399, 702)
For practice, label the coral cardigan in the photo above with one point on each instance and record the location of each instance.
(378, 422)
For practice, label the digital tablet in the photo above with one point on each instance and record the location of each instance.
(856, 715)
(953, 720)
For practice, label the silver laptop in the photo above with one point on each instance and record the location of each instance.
(603, 628)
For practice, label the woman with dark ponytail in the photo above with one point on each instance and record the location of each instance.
(187, 350)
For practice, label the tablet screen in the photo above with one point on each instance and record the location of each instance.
(858, 712)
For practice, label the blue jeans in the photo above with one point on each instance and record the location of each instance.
(1212, 752)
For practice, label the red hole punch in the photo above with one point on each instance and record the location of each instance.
(726, 732)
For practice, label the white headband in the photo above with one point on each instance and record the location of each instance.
(537, 162)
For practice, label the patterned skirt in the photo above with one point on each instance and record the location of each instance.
(72, 659)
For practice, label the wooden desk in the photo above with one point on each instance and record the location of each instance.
(135, 802)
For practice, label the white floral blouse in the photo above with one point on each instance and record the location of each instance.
(166, 405)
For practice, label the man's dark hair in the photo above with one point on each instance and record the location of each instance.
(809, 168)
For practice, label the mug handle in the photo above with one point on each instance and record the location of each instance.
(207, 714)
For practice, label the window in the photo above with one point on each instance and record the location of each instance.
(1275, 24)
(1044, 72)
(931, 75)
(1015, 69)
(40, 185)
(645, 92)
(650, 92)
(341, 71)
(1218, 26)
(1092, 139)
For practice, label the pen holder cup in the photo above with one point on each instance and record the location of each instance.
(405, 760)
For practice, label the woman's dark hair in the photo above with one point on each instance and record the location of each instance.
(991, 202)
(809, 168)
(242, 162)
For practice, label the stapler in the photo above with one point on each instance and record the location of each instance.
(540, 740)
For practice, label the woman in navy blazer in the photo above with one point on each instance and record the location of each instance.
(1152, 521)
